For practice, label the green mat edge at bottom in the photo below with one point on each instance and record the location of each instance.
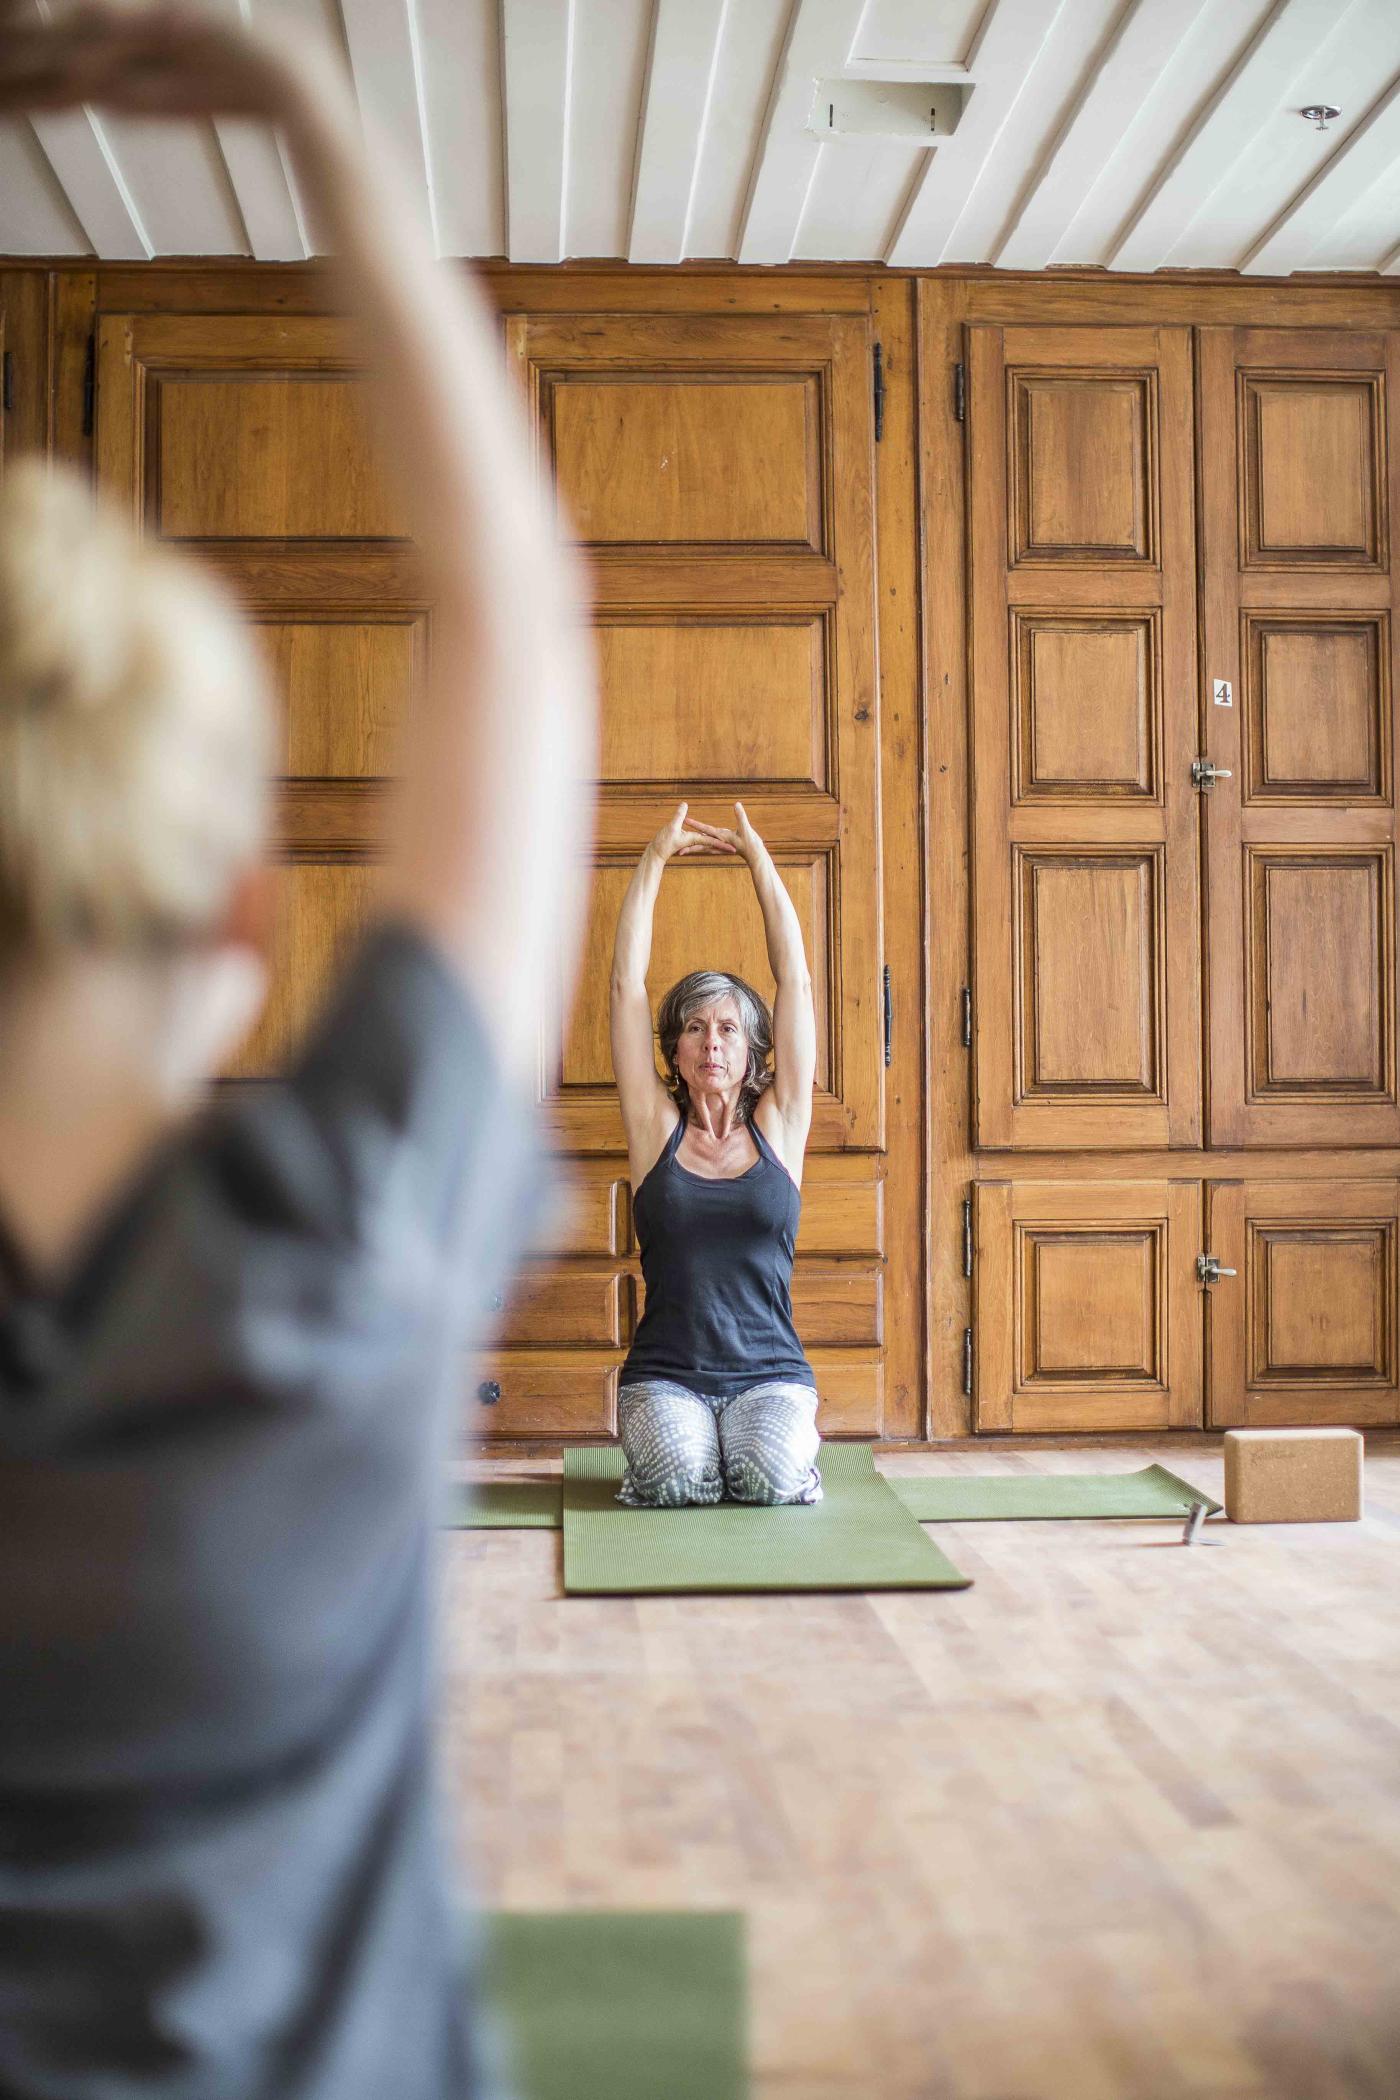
(619, 2005)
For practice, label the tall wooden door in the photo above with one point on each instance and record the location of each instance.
(1083, 627)
(1300, 486)
(242, 438)
(718, 470)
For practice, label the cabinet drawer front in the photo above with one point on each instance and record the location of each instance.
(526, 1396)
(564, 1307)
(838, 1306)
(852, 1393)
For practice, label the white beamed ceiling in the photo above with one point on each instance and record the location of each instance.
(1131, 134)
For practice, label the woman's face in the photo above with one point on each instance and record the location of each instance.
(712, 1055)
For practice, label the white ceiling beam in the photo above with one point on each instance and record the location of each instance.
(464, 112)
(35, 216)
(253, 163)
(675, 115)
(1367, 156)
(85, 167)
(383, 43)
(1227, 128)
(1390, 267)
(1144, 44)
(77, 149)
(820, 39)
(537, 49)
(1013, 37)
(261, 190)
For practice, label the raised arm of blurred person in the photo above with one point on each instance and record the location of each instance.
(490, 816)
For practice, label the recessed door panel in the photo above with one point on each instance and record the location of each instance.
(264, 455)
(745, 701)
(1088, 950)
(1320, 974)
(1082, 454)
(1305, 1328)
(320, 911)
(687, 457)
(345, 686)
(1086, 707)
(1087, 1309)
(1316, 708)
(1312, 449)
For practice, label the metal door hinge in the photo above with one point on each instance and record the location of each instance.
(960, 392)
(7, 382)
(1209, 1270)
(879, 392)
(967, 1016)
(889, 1018)
(90, 387)
(967, 1361)
(1205, 775)
(967, 1235)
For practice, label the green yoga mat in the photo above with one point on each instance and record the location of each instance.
(860, 1537)
(507, 1505)
(946, 1498)
(620, 2005)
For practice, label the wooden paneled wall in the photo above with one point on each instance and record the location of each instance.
(959, 671)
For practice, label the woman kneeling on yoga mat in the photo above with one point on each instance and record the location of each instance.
(716, 1395)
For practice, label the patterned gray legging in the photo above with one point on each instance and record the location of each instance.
(682, 1446)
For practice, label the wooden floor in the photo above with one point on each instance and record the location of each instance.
(1121, 1822)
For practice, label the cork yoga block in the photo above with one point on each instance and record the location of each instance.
(1293, 1476)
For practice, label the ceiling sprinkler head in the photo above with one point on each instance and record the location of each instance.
(1321, 114)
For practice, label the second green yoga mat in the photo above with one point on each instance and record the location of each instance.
(506, 1505)
(619, 2005)
(859, 1537)
(970, 1498)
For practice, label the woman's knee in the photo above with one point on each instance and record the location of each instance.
(769, 1450)
(767, 1475)
(672, 1452)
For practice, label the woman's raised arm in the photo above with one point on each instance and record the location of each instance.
(490, 817)
(647, 1109)
(794, 1014)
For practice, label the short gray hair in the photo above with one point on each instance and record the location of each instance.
(684, 1001)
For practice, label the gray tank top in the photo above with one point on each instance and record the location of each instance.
(717, 1264)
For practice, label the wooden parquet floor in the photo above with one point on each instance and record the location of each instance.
(1122, 1822)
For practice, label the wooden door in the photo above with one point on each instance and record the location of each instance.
(1299, 488)
(241, 438)
(718, 469)
(1087, 1305)
(1305, 1329)
(1085, 879)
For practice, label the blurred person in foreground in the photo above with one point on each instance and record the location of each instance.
(231, 1330)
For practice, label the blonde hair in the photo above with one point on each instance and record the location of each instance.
(137, 731)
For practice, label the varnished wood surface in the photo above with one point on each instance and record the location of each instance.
(1121, 1822)
(355, 592)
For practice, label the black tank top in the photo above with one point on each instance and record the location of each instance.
(717, 1263)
